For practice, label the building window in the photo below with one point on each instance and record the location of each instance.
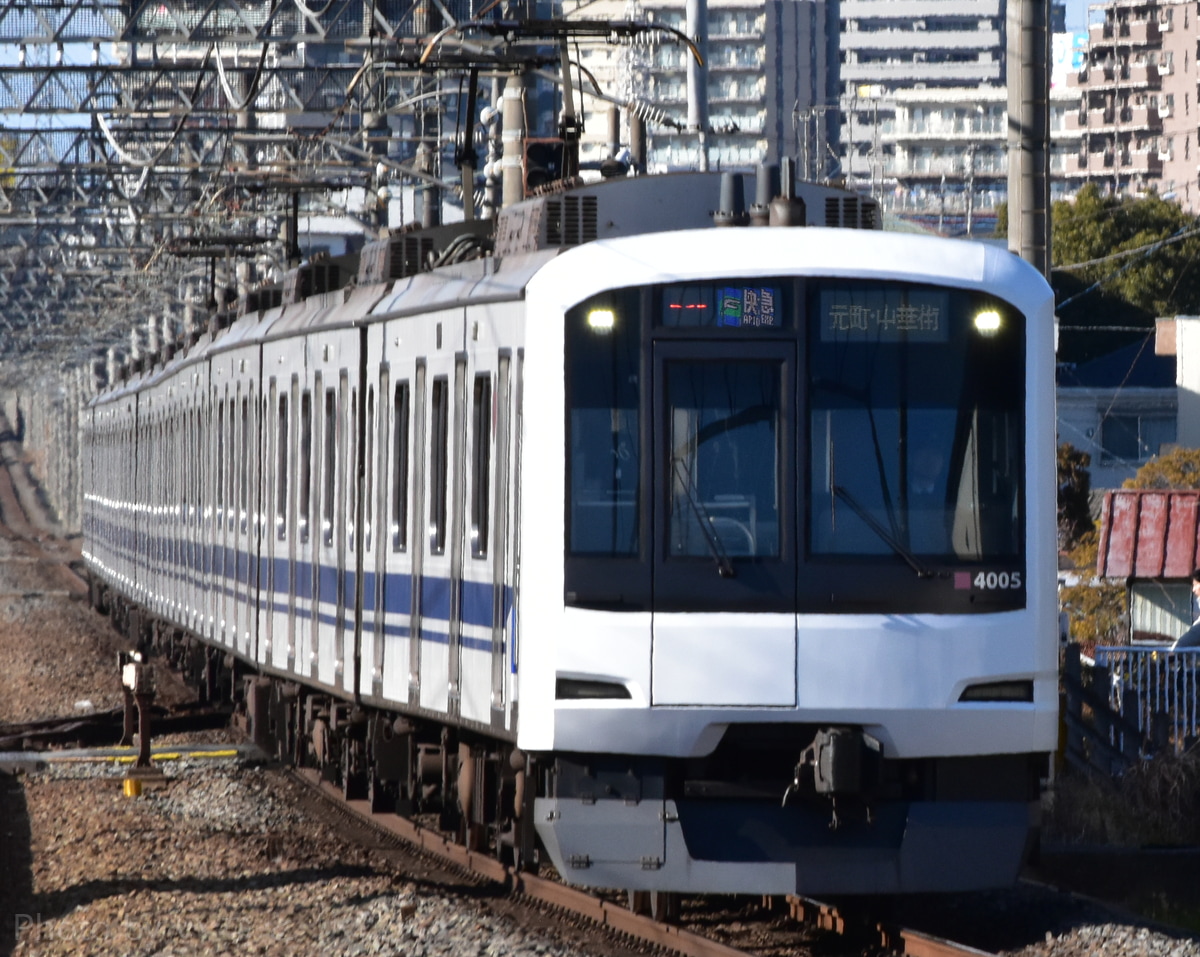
(1132, 438)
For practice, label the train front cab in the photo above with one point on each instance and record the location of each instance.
(804, 641)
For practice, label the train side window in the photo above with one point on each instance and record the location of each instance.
(244, 478)
(348, 463)
(183, 475)
(481, 450)
(231, 476)
(197, 429)
(178, 499)
(188, 427)
(439, 465)
(304, 464)
(219, 471)
(281, 468)
(400, 426)
(177, 494)
(201, 423)
(369, 470)
(330, 463)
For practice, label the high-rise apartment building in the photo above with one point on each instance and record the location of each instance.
(771, 70)
(924, 106)
(949, 154)
(893, 45)
(1138, 117)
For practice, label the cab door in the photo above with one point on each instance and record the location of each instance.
(724, 523)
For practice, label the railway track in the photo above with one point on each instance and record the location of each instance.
(859, 929)
(105, 727)
(25, 525)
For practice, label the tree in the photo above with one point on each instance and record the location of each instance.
(1161, 280)
(1118, 297)
(1095, 608)
(1074, 496)
(1179, 468)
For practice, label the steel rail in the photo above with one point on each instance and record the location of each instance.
(552, 893)
(899, 940)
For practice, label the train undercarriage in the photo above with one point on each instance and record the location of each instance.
(460, 782)
(483, 789)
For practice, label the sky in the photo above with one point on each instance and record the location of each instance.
(1077, 14)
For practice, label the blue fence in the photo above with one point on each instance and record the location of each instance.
(1156, 689)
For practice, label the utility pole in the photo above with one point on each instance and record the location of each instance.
(1029, 132)
(970, 186)
(696, 15)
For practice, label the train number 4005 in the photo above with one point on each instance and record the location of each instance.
(994, 580)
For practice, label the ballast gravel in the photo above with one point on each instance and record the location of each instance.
(218, 860)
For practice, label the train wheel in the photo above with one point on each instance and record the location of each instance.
(664, 906)
(639, 902)
(355, 777)
(380, 794)
(283, 722)
(525, 845)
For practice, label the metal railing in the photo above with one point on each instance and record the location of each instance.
(1157, 688)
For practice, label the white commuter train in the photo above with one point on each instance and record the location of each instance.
(723, 559)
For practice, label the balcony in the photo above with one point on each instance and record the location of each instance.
(1091, 162)
(1143, 32)
(920, 9)
(1141, 162)
(1145, 74)
(1099, 34)
(1140, 118)
(941, 127)
(959, 73)
(1109, 75)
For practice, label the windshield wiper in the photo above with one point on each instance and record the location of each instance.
(878, 528)
(724, 565)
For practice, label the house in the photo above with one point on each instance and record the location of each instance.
(1121, 409)
(1150, 538)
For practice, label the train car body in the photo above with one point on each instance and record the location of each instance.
(735, 546)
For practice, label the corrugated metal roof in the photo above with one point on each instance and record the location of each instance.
(1149, 533)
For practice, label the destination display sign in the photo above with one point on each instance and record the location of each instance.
(883, 315)
(729, 307)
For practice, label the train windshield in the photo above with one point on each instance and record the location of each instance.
(795, 444)
(915, 424)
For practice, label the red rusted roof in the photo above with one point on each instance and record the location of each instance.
(1149, 533)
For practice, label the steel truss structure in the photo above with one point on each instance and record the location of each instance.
(133, 129)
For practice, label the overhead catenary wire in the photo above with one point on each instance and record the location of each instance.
(1148, 247)
(1143, 252)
